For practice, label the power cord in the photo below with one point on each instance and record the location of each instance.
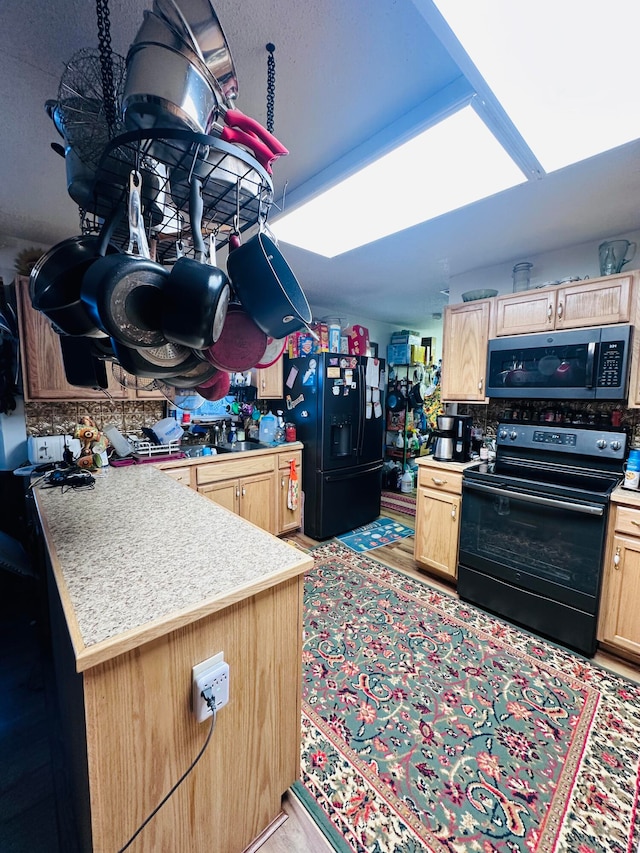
(207, 695)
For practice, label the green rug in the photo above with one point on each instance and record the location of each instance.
(430, 726)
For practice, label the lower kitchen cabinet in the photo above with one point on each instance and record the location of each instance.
(438, 520)
(288, 519)
(619, 624)
(245, 486)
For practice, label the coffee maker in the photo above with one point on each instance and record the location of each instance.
(444, 435)
(462, 438)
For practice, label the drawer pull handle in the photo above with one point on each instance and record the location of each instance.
(616, 559)
(244, 491)
(438, 481)
(637, 523)
(480, 385)
(560, 310)
(453, 514)
(549, 312)
(282, 483)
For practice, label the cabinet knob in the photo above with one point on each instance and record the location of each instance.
(559, 310)
(616, 559)
(549, 312)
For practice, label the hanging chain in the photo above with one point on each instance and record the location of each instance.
(106, 63)
(271, 86)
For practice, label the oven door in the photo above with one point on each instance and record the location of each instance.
(535, 540)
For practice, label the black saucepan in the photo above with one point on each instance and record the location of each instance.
(154, 362)
(81, 367)
(56, 280)
(267, 288)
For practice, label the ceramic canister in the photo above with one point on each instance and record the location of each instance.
(632, 470)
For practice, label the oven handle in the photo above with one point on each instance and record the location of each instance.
(589, 509)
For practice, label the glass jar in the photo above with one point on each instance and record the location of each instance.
(522, 276)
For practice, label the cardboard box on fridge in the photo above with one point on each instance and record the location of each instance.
(322, 331)
(358, 339)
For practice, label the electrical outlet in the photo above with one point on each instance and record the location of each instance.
(212, 673)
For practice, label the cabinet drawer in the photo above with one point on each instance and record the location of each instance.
(628, 520)
(182, 475)
(238, 467)
(284, 460)
(435, 478)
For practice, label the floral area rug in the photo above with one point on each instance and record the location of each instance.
(430, 726)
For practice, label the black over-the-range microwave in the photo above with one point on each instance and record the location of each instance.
(582, 364)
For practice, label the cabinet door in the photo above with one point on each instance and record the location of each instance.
(288, 519)
(226, 493)
(268, 382)
(464, 354)
(42, 366)
(523, 313)
(620, 605)
(257, 501)
(594, 303)
(437, 528)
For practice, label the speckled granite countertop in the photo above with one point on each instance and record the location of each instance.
(141, 555)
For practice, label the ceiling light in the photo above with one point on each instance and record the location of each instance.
(452, 164)
(563, 72)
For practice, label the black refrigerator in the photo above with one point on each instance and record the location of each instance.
(336, 402)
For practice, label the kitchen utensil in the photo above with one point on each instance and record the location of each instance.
(154, 362)
(201, 373)
(548, 364)
(81, 368)
(472, 295)
(240, 345)
(517, 375)
(123, 293)
(208, 38)
(185, 399)
(165, 89)
(612, 255)
(55, 284)
(196, 294)
(267, 288)
(218, 388)
(274, 350)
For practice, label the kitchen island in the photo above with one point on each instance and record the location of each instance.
(147, 579)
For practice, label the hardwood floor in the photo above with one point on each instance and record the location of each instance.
(27, 806)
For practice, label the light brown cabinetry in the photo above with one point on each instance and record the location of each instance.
(589, 303)
(268, 381)
(244, 486)
(619, 623)
(438, 519)
(42, 367)
(464, 351)
(288, 519)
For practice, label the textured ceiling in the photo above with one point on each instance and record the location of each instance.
(349, 76)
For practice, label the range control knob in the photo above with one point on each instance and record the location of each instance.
(615, 445)
(513, 435)
(601, 444)
(503, 433)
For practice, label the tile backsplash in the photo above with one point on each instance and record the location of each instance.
(62, 417)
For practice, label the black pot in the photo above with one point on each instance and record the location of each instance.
(267, 288)
(195, 301)
(56, 280)
(123, 295)
(154, 363)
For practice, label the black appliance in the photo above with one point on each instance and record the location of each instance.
(462, 438)
(572, 365)
(337, 404)
(533, 528)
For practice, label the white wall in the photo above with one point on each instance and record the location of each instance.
(580, 260)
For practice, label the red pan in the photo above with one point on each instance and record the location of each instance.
(217, 389)
(274, 350)
(241, 344)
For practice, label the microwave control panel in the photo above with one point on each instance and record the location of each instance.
(610, 364)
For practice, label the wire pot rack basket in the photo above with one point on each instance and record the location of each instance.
(236, 190)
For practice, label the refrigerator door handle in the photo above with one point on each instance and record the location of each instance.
(352, 475)
(363, 402)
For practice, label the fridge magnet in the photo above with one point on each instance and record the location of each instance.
(333, 372)
(291, 378)
(291, 404)
(354, 386)
(346, 390)
(309, 376)
(338, 381)
(348, 376)
(333, 362)
(343, 362)
(336, 390)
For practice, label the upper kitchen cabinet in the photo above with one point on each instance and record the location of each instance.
(268, 381)
(464, 351)
(572, 306)
(42, 368)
